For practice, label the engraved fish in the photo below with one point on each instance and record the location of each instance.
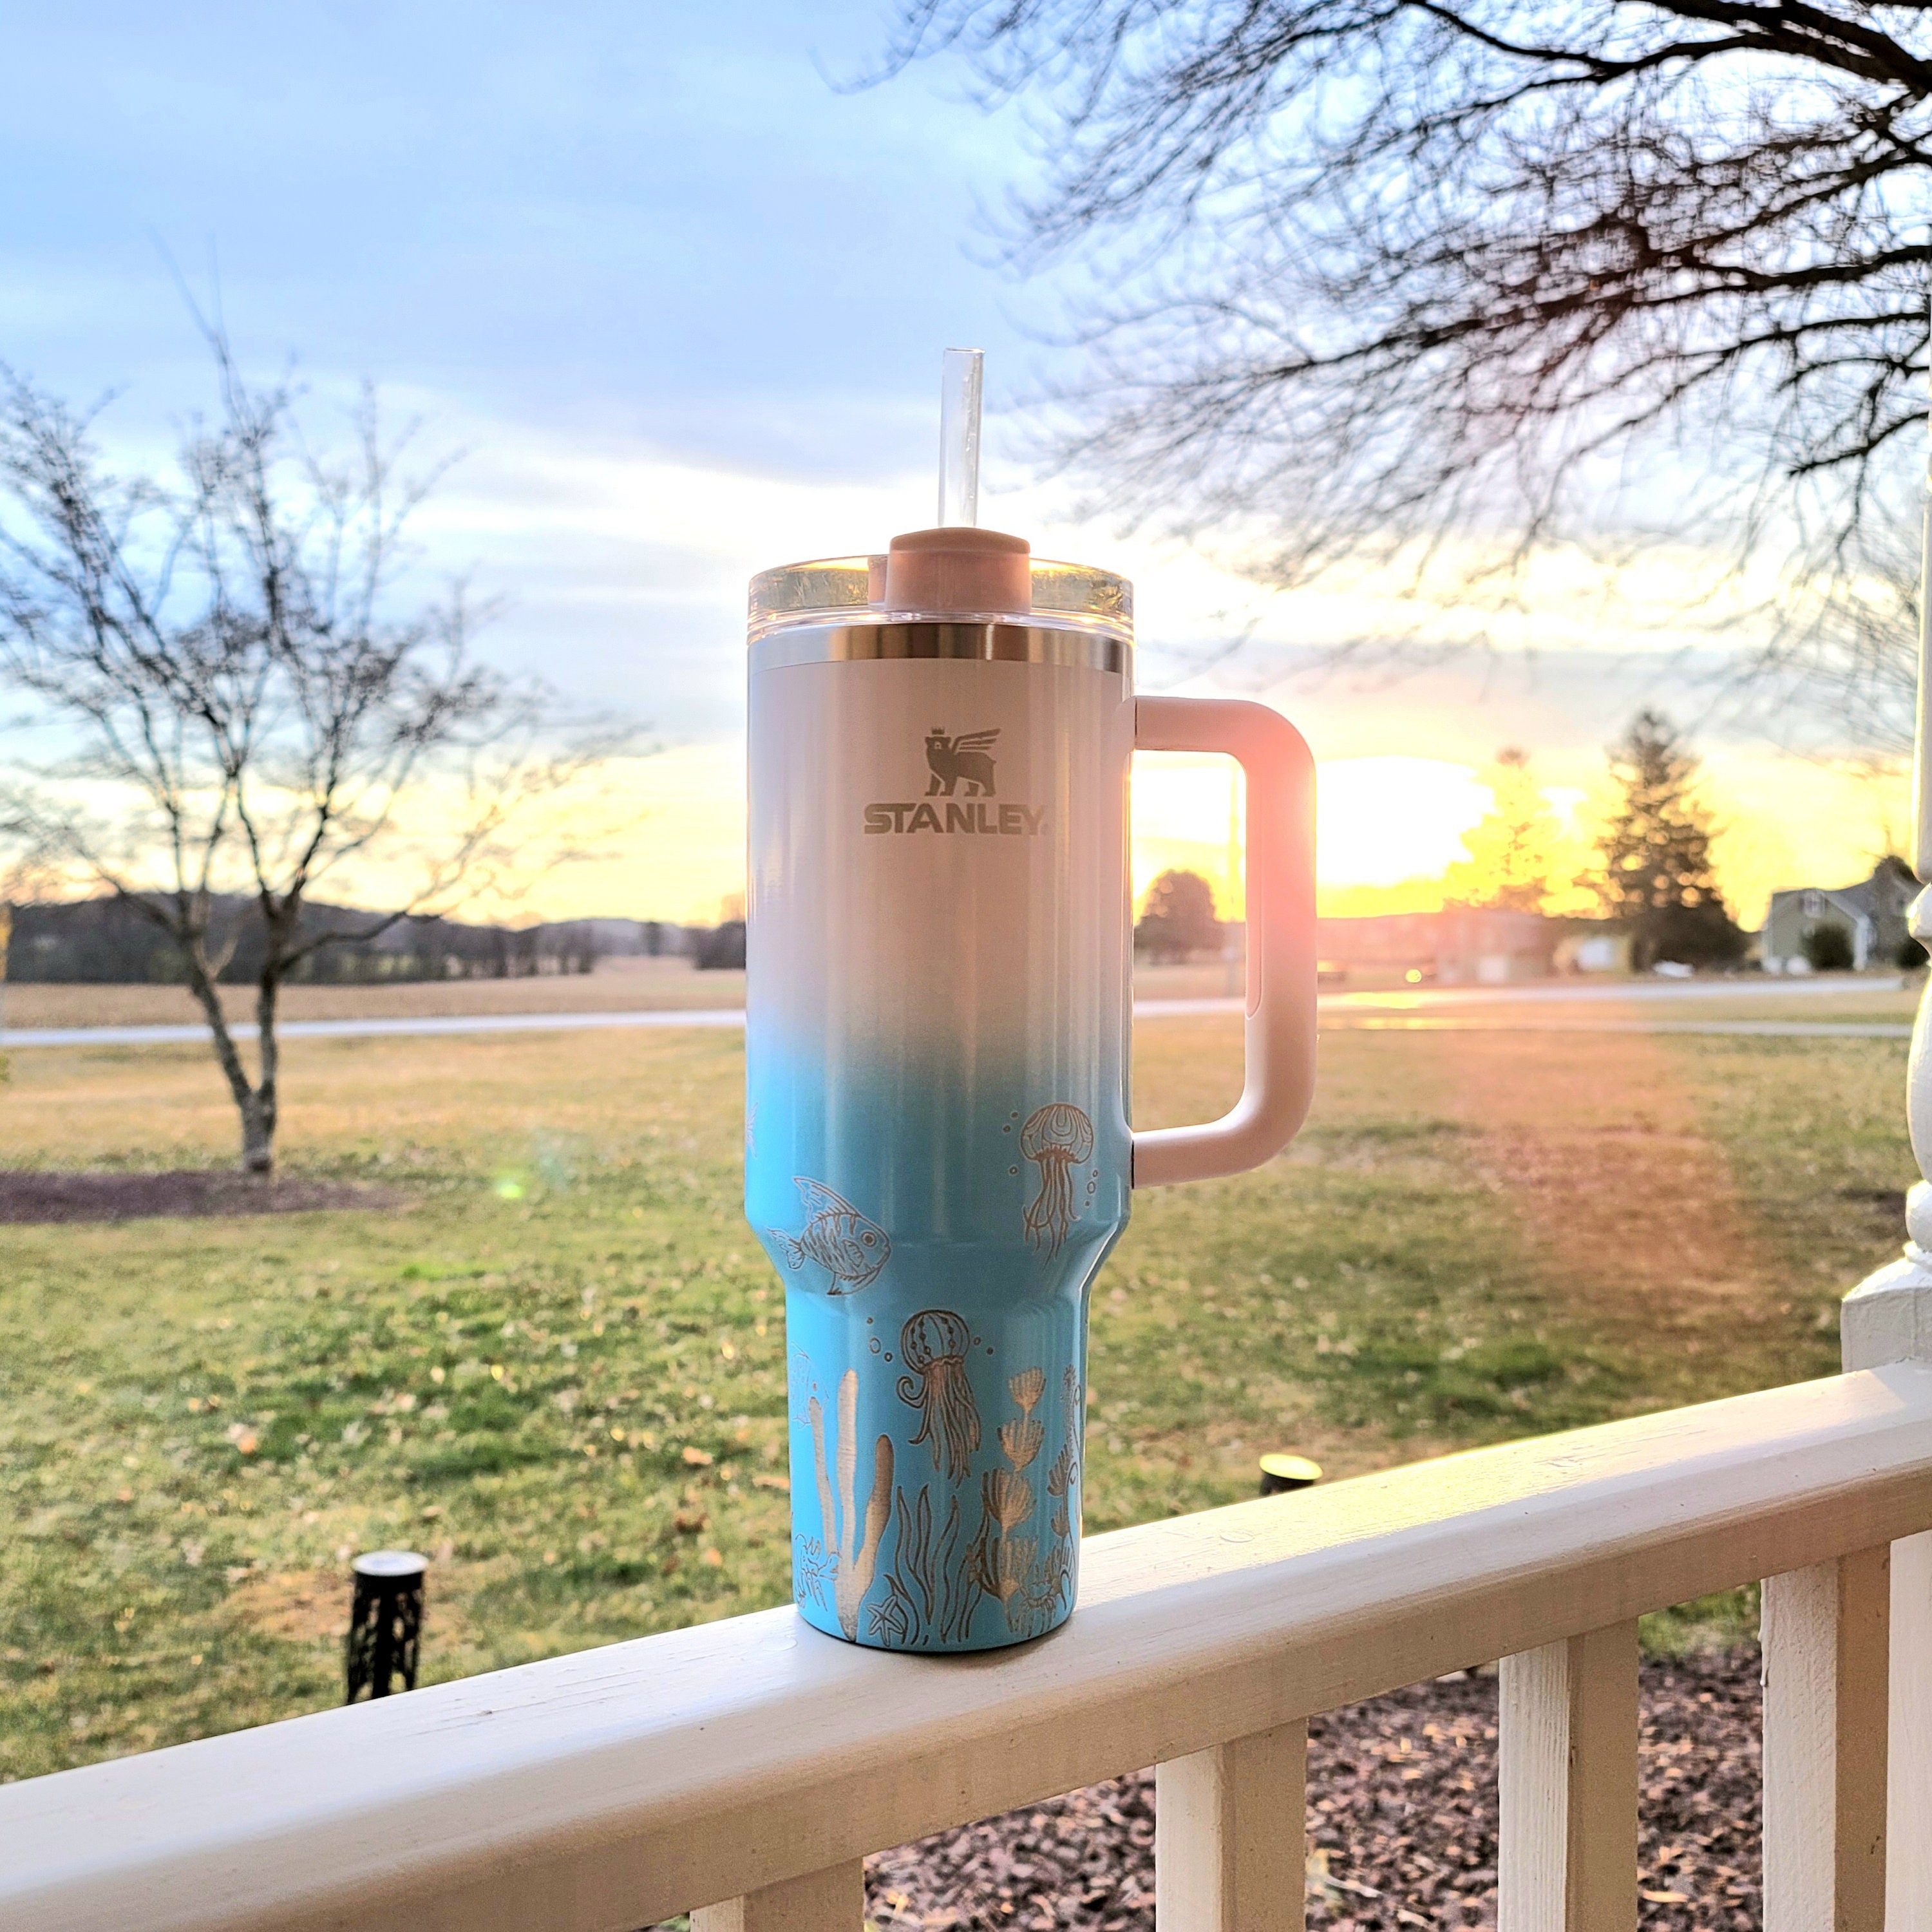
(850, 1248)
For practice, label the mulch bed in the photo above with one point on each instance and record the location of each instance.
(27, 1196)
(1402, 1819)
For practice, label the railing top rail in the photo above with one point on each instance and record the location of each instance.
(605, 1789)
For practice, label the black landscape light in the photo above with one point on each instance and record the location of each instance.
(384, 1622)
(1282, 1473)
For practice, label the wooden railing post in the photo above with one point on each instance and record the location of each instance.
(1231, 1836)
(831, 1900)
(1567, 1739)
(1888, 1318)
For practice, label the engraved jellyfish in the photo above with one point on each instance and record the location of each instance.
(1056, 1139)
(933, 1343)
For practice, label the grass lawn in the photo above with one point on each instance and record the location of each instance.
(560, 1369)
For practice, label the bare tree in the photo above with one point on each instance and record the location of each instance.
(1423, 277)
(244, 712)
(1845, 643)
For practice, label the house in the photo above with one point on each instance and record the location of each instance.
(1593, 945)
(1871, 915)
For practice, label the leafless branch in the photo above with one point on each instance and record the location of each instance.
(1366, 276)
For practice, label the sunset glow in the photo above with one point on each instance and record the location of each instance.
(1388, 828)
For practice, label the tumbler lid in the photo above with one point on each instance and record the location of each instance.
(852, 589)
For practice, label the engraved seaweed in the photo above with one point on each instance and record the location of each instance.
(1051, 1593)
(853, 1576)
(959, 1590)
(1062, 1479)
(923, 1599)
(915, 1547)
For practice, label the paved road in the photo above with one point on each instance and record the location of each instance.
(1662, 992)
(1434, 1009)
(1763, 1029)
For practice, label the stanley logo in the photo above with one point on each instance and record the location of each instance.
(968, 757)
(965, 762)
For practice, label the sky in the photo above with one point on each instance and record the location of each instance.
(673, 286)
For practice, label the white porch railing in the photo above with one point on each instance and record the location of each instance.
(756, 1762)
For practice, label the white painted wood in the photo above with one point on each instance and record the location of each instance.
(1921, 735)
(612, 1788)
(1909, 1806)
(1231, 1836)
(1567, 1751)
(833, 1900)
(1887, 1318)
(1826, 1648)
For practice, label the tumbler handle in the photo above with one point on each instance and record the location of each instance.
(1279, 1073)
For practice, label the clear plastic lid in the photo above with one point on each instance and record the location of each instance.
(851, 590)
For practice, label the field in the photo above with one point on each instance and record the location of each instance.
(635, 985)
(558, 1369)
(618, 985)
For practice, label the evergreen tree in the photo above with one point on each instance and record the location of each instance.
(1178, 918)
(1657, 876)
(1512, 856)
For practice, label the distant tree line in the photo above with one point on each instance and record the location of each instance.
(108, 941)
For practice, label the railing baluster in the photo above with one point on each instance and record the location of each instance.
(1888, 1318)
(1230, 1845)
(1826, 1649)
(831, 1900)
(1908, 1881)
(1567, 1732)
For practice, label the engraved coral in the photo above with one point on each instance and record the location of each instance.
(1026, 1387)
(1021, 1439)
(1007, 1562)
(855, 1567)
(1009, 1498)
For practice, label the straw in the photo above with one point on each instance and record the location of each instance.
(962, 376)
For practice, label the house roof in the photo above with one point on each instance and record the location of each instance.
(1889, 890)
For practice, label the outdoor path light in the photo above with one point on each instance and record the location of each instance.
(1282, 1473)
(384, 1622)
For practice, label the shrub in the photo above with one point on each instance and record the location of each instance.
(1829, 948)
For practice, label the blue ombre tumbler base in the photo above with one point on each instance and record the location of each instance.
(936, 1450)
